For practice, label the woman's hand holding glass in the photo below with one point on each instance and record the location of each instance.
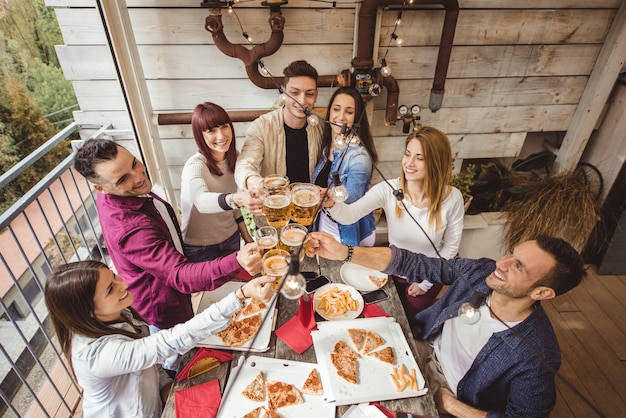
(257, 288)
(251, 200)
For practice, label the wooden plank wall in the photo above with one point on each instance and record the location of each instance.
(514, 70)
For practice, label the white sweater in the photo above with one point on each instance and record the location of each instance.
(121, 376)
(403, 232)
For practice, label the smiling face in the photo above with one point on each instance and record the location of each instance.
(517, 272)
(342, 112)
(111, 296)
(218, 140)
(413, 163)
(122, 176)
(301, 90)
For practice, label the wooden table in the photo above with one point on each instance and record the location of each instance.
(278, 349)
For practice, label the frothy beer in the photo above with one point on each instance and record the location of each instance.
(276, 209)
(304, 205)
(267, 243)
(275, 265)
(291, 239)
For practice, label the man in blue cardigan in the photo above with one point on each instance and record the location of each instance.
(493, 367)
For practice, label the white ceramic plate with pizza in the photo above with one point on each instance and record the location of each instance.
(268, 317)
(350, 314)
(374, 382)
(358, 277)
(234, 404)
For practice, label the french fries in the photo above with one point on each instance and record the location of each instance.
(401, 378)
(337, 302)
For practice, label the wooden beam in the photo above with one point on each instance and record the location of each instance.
(605, 72)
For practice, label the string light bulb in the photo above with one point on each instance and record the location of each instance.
(313, 121)
(385, 70)
(399, 18)
(263, 70)
(469, 312)
(340, 139)
(294, 283)
(339, 191)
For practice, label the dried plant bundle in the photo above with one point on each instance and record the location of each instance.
(560, 205)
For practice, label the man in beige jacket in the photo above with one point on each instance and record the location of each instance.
(282, 141)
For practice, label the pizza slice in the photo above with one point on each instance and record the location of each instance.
(346, 366)
(280, 394)
(254, 413)
(372, 341)
(313, 385)
(253, 306)
(357, 336)
(378, 281)
(255, 391)
(239, 332)
(386, 355)
(344, 349)
(270, 414)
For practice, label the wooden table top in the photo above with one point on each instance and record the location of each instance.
(423, 405)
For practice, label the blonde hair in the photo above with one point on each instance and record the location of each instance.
(437, 155)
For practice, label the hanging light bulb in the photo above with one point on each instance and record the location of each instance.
(469, 312)
(398, 40)
(340, 139)
(353, 140)
(294, 283)
(385, 70)
(247, 37)
(263, 70)
(339, 191)
(399, 19)
(313, 121)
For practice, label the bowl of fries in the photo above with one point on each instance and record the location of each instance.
(337, 301)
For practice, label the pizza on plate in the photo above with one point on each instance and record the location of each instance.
(270, 414)
(254, 413)
(240, 331)
(372, 341)
(256, 389)
(386, 355)
(357, 336)
(280, 394)
(253, 306)
(345, 359)
(313, 385)
(378, 281)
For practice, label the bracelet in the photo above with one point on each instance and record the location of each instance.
(241, 288)
(239, 220)
(349, 257)
(231, 201)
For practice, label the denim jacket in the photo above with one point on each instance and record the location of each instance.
(507, 379)
(355, 173)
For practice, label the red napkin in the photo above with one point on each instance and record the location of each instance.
(199, 400)
(296, 332)
(384, 410)
(372, 310)
(203, 352)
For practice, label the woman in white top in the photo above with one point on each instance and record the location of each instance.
(108, 345)
(212, 224)
(429, 198)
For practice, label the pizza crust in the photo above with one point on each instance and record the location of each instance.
(255, 391)
(313, 384)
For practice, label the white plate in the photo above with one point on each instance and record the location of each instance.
(356, 276)
(262, 341)
(235, 405)
(348, 315)
(374, 382)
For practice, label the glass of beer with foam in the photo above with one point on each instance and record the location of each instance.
(291, 238)
(304, 200)
(275, 265)
(276, 200)
(266, 238)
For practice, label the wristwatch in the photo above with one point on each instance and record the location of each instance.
(230, 199)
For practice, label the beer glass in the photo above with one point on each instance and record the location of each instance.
(291, 238)
(304, 198)
(276, 200)
(266, 238)
(275, 265)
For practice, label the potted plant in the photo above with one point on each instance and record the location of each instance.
(464, 180)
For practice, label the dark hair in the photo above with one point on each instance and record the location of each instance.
(205, 116)
(299, 68)
(437, 154)
(360, 117)
(69, 295)
(569, 269)
(92, 153)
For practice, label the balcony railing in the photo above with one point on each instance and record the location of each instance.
(54, 223)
